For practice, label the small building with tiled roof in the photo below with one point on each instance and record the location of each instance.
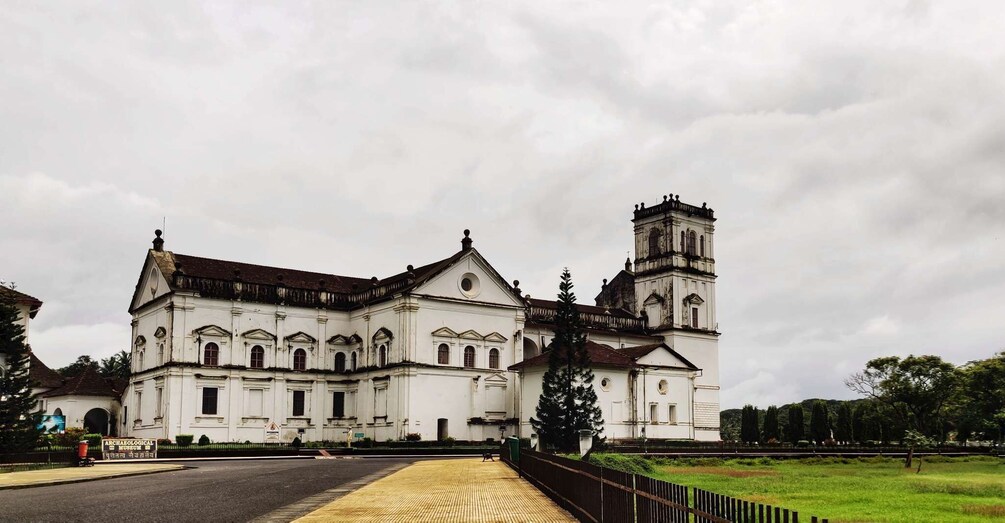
(445, 349)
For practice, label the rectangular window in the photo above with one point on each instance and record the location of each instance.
(350, 404)
(654, 413)
(672, 413)
(338, 404)
(255, 397)
(380, 402)
(160, 402)
(139, 405)
(209, 396)
(694, 317)
(298, 402)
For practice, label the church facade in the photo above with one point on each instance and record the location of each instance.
(445, 350)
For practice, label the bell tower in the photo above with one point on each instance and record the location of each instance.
(675, 293)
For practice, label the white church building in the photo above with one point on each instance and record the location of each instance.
(448, 349)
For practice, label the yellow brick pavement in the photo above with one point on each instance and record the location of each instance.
(34, 478)
(445, 490)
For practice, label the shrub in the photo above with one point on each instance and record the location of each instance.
(163, 441)
(204, 440)
(413, 436)
(70, 437)
(184, 440)
(93, 440)
(802, 443)
(296, 442)
(622, 462)
(449, 442)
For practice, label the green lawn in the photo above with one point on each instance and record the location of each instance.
(966, 489)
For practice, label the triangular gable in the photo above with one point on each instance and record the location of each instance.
(445, 332)
(653, 299)
(694, 299)
(160, 332)
(339, 339)
(212, 330)
(139, 341)
(494, 289)
(496, 378)
(383, 334)
(300, 337)
(664, 356)
(470, 335)
(151, 284)
(259, 334)
(496, 337)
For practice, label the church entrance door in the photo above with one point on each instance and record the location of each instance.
(96, 421)
(441, 429)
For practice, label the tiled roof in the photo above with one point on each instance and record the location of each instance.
(41, 374)
(19, 297)
(600, 355)
(87, 383)
(607, 356)
(251, 273)
(582, 308)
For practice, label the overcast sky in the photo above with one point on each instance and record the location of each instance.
(854, 154)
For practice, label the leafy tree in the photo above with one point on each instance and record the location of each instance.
(749, 432)
(770, 432)
(844, 427)
(77, 367)
(568, 402)
(18, 415)
(794, 431)
(981, 402)
(916, 389)
(116, 366)
(820, 422)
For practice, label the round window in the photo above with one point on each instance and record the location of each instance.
(605, 383)
(663, 386)
(469, 285)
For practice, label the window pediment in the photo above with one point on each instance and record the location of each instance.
(470, 335)
(212, 330)
(495, 336)
(445, 332)
(497, 379)
(300, 337)
(653, 299)
(383, 334)
(694, 299)
(341, 339)
(160, 332)
(258, 334)
(140, 341)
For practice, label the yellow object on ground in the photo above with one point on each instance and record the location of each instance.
(445, 490)
(35, 478)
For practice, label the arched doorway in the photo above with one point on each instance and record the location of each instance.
(529, 349)
(96, 422)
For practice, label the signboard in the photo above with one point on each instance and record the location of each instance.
(272, 433)
(122, 448)
(359, 435)
(52, 424)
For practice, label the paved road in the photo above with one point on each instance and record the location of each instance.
(210, 491)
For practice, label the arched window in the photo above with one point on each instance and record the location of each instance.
(352, 360)
(211, 354)
(692, 238)
(683, 242)
(57, 412)
(339, 362)
(469, 356)
(257, 357)
(382, 356)
(494, 359)
(443, 354)
(701, 245)
(300, 359)
(654, 241)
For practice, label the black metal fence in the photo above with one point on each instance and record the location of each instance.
(592, 493)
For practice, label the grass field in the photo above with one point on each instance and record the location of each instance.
(881, 490)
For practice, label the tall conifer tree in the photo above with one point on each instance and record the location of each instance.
(568, 402)
(795, 429)
(770, 430)
(820, 422)
(18, 415)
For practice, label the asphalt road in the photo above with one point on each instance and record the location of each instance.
(209, 491)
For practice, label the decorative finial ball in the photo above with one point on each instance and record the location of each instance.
(516, 283)
(636, 206)
(467, 232)
(409, 267)
(703, 205)
(605, 282)
(158, 233)
(664, 198)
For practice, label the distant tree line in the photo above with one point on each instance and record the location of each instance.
(922, 395)
(115, 366)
